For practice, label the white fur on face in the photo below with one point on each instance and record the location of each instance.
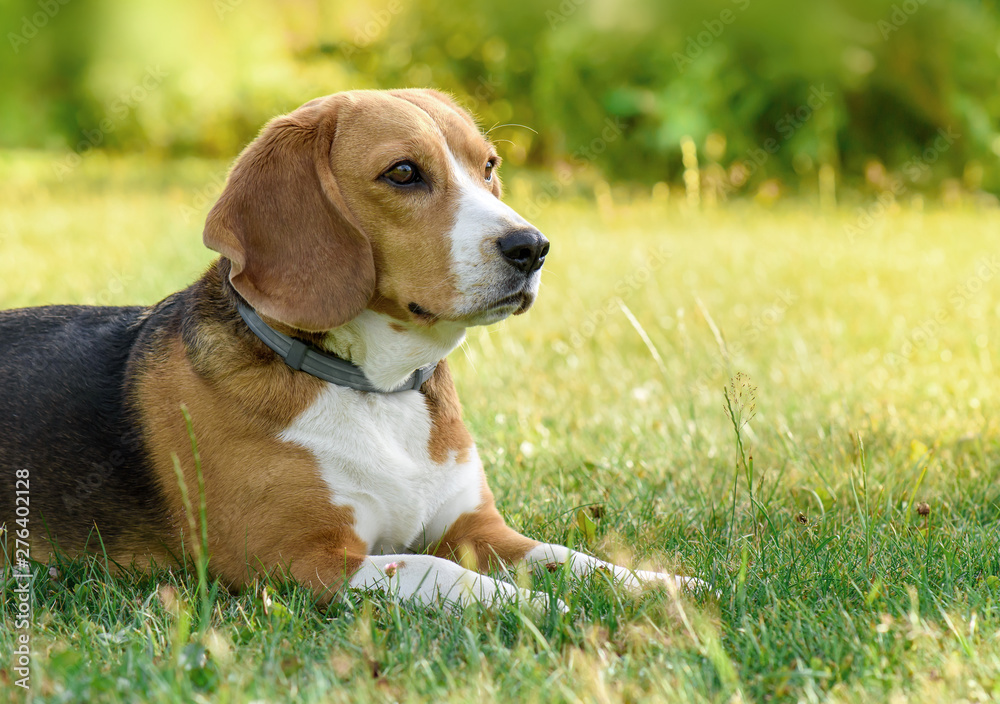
(483, 275)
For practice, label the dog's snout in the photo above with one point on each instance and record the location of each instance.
(524, 249)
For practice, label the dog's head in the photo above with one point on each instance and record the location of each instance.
(370, 199)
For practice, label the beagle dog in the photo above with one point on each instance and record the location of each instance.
(360, 236)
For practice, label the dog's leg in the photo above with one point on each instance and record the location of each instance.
(423, 579)
(550, 556)
(485, 537)
(426, 579)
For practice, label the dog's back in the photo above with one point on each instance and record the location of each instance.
(67, 423)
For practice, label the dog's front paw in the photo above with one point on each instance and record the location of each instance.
(491, 593)
(538, 604)
(642, 578)
(637, 580)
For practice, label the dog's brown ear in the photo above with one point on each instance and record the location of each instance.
(298, 256)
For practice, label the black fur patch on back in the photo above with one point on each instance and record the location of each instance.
(65, 416)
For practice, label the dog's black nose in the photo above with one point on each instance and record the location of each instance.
(525, 249)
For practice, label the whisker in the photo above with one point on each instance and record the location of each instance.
(468, 355)
(510, 124)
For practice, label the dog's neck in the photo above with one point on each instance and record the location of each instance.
(387, 350)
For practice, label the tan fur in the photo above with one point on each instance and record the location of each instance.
(319, 272)
(449, 436)
(462, 131)
(266, 504)
(485, 536)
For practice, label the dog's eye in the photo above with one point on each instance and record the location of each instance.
(405, 173)
(488, 175)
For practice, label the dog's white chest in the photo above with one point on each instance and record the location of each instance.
(372, 450)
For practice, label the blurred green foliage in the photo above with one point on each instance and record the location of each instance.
(768, 91)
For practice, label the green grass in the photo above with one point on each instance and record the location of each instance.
(832, 585)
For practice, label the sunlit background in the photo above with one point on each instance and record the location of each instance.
(850, 92)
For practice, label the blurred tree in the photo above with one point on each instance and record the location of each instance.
(766, 90)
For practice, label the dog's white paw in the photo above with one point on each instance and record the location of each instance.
(679, 582)
(637, 580)
(552, 557)
(491, 593)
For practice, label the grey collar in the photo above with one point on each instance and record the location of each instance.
(323, 365)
